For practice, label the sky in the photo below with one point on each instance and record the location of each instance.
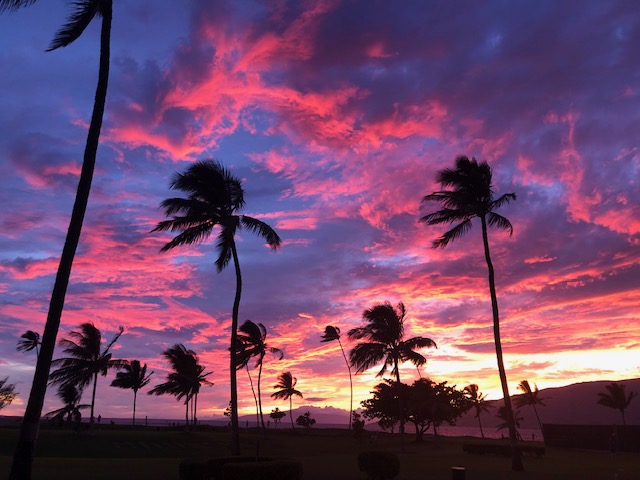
(336, 115)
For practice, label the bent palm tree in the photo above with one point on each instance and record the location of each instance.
(84, 12)
(186, 379)
(287, 385)
(332, 333)
(530, 398)
(133, 377)
(215, 198)
(252, 341)
(616, 397)
(85, 361)
(478, 402)
(30, 341)
(471, 195)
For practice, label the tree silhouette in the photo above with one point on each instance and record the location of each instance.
(277, 415)
(385, 343)
(86, 360)
(478, 402)
(185, 380)
(29, 341)
(70, 396)
(617, 398)
(529, 397)
(286, 384)
(84, 11)
(253, 343)
(331, 334)
(471, 195)
(504, 424)
(215, 198)
(134, 377)
(305, 420)
(7, 392)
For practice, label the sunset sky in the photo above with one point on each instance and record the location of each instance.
(337, 115)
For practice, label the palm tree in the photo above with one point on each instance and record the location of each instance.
(252, 343)
(30, 341)
(504, 424)
(287, 385)
(70, 396)
(215, 198)
(529, 397)
(7, 392)
(332, 333)
(471, 195)
(185, 380)
(385, 335)
(616, 397)
(478, 402)
(86, 360)
(133, 377)
(385, 332)
(84, 12)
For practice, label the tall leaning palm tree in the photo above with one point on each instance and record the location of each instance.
(253, 343)
(478, 402)
(616, 397)
(86, 360)
(29, 341)
(214, 199)
(467, 193)
(287, 385)
(84, 11)
(530, 397)
(331, 334)
(133, 376)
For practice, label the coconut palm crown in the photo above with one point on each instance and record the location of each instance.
(215, 198)
(29, 340)
(133, 376)
(616, 397)
(287, 389)
(384, 335)
(467, 193)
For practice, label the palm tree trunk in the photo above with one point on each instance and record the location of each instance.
(25, 448)
(259, 393)
(135, 394)
(235, 431)
(255, 398)
(516, 458)
(291, 411)
(195, 411)
(350, 385)
(535, 410)
(186, 411)
(480, 424)
(93, 397)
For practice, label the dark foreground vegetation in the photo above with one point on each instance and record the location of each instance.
(119, 452)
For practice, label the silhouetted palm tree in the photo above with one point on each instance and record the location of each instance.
(287, 385)
(471, 195)
(185, 380)
(30, 341)
(70, 396)
(7, 392)
(252, 340)
(529, 397)
(86, 360)
(332, 333)
(502, 415)
(215, 198)
(616, 397)
(385, 334)
(84, 11)
(134, 377)
(478, 402)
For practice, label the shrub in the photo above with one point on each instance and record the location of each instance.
(379, 465)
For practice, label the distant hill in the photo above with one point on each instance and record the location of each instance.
(574, 404)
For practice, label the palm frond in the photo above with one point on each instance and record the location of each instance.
(13, 5)
(80, 18)
(331, 333)
(496, 220)
(451, 235)
(262, 230)
(224, 245)
(195, 234)
(366, 355)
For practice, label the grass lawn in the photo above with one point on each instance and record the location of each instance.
(116, 452)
